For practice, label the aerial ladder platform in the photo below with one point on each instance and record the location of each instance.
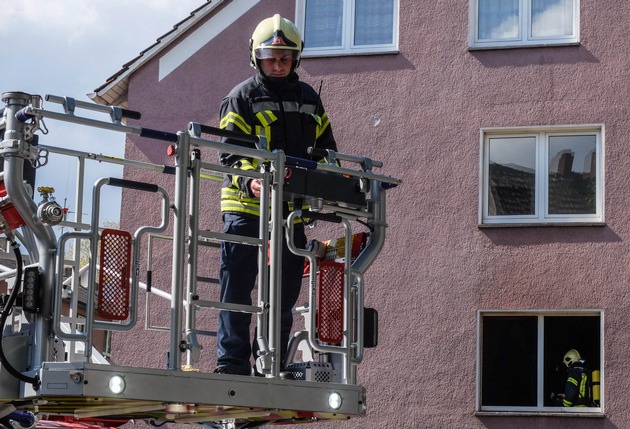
(55, 307)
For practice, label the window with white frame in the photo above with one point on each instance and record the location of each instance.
(542, 176)
(347, 27)
(517, 23)
(520, 364)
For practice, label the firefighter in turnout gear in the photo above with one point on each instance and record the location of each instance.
(578, 388)
(289, 113)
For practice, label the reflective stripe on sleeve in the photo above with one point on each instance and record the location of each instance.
(237, 120)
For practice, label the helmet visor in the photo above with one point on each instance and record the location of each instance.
(281, 53)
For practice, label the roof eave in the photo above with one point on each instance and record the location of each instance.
(114, 92)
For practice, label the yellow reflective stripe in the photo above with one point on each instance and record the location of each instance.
(262, 119)
(243, 164)
(233, 200)
(566, 403)
(583, 386)
(266, 117)
(572, 381)
(240, 208)
(237, 120)
(325, 122)
(233, 206)
(235, 194)
(317, 118)
(323, 161)
(267, 132)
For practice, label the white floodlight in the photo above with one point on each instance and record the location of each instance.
(117, 384)
(334, 400)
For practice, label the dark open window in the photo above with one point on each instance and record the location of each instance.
(520, 360)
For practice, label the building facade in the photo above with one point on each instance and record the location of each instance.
(506, 242)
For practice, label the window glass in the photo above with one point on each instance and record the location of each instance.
(348, 27)
(542, 176)
(552, 18)
(374, 22)
(509, 353)
(512, 171)
(515, 23)
(323, 24)
(572, 174)
(498, 19)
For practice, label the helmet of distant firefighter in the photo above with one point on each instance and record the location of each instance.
(571, 357)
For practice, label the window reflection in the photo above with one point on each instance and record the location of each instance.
(498, 19)
(324, 23)
(512, 176)
(374, 22)
(552, 18)
(572, 174)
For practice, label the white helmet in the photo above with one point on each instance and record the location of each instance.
(275, 33)
(571, 357)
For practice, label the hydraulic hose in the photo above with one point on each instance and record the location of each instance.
(5, 314)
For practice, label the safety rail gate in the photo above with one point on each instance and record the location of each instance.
(49, 370)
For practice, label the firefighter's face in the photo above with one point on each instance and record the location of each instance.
(279, 64)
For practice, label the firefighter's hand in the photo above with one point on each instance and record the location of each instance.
(254, 187)
(558, 399)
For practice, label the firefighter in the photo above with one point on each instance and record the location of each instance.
(578, 389)
(289, 113)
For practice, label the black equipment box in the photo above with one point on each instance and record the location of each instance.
(331, 187)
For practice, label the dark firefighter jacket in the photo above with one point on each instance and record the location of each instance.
(287, 112)
(578, 390)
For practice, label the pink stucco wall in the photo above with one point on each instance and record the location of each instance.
(438, 268)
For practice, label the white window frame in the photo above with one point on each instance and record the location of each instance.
(539, 409)
(541, 215)
(347, 47)
(524, 38)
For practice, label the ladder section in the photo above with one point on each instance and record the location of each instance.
(268, 245)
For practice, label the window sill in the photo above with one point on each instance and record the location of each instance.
(568, 413)
(536, 225)
(538, 45)
(308, 55)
